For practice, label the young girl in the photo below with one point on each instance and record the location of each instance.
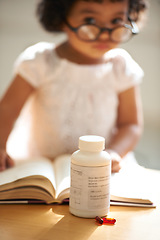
(86, 85)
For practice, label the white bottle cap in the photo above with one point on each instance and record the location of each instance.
(91, 143)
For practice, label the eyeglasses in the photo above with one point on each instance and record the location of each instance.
(91, 32)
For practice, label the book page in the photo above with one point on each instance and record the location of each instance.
(26, 193)
(131, 182)
(62, 173)
(27, 169)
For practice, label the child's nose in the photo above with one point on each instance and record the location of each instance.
(104, 35)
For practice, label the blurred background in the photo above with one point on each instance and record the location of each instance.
(19, 29)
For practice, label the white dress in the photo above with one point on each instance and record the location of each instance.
(70, 100)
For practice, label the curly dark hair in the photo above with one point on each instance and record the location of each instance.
(52, 13)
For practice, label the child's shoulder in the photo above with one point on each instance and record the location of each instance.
(125, 67)
(121, 59)
(38, 49)
(118, 53)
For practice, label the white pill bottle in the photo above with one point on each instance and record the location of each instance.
(90, 178)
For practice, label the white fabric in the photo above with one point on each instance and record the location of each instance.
(70, 99)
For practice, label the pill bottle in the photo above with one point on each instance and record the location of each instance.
(90, 178)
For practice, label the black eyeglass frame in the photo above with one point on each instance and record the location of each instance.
(133, 27)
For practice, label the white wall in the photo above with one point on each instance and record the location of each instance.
(145, 48)
(19, 29)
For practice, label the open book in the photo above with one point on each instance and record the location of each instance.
(48, 181)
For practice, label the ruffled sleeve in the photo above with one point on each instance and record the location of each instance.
(31, 64)
(127, 72)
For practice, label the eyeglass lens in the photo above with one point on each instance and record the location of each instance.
(92, 32)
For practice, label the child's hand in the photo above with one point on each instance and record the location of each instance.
(116, 161)
(5, 160)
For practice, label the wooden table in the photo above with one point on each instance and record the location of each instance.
(45, 222)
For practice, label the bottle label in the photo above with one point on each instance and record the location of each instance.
(90, 187)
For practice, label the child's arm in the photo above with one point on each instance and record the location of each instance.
(10, 107)
(129, 126)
